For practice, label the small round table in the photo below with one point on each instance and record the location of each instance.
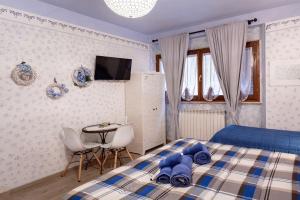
(102, 131)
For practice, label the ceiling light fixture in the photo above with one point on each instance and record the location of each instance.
(131, 8)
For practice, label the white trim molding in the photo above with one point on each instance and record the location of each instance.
(36, 20)
(283, 24)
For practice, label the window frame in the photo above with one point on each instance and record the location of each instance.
(256, 72)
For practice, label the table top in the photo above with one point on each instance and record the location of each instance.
(99, 129)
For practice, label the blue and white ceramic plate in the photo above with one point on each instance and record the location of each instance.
(23, 74)
(82, 77)
(56, 90)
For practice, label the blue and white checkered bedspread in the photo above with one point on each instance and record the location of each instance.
(234, 173)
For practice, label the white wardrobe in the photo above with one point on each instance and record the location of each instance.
(145, 110)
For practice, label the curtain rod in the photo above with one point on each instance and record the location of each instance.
(250, 21)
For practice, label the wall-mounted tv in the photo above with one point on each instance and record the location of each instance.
(110, 68)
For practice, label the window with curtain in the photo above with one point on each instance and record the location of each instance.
(190, 74)
(201, 78)
(209, 75)
(190, 78)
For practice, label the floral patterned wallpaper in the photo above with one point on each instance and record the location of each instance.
(30, 122)
(283, 101)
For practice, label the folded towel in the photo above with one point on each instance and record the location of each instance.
(170, 161)
(182, 173)
(202, 157)
(164, 175)
(193, 149)
(199, 153)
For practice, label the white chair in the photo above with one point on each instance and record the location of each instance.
(122, 137)
(74, 143)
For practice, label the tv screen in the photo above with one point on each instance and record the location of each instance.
(109, 68)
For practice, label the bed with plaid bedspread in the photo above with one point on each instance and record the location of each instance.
(234, 173)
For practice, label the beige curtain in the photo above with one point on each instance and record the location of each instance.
(173, 53)
(227, 45)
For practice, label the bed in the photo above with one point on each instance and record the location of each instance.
(236, 172)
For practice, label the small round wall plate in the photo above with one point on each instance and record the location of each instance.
(56, 90)
(82, 77)
(23, 74)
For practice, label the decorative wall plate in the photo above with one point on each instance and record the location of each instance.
(82, 77)
(56, 90)
(23, 74)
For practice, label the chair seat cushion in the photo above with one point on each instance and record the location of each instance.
(91, 145)
(105, 146)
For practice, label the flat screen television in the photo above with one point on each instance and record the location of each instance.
(109, 68)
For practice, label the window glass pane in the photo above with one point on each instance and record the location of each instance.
(210, 78)
(190, 76)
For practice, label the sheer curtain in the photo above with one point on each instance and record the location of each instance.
(173, 53)
(246, 74)
(211, 85)
(227, 45)
(190, 78)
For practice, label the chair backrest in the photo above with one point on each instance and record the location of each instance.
(72, 140)
(123, 136)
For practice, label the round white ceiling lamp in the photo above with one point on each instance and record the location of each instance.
(131, 8)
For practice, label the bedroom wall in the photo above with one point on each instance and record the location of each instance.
(30, 122)
(263, 16)
(48, 10)
(247, 109)
(250, 113)
(283, 100)
(257, 112)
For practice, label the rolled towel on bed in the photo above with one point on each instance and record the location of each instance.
(199, 153)
(202, 157)
(170, 161)
(193, 149)
(164, 175)
(182, 173)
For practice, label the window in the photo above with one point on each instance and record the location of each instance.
(210, 78)
(190, 78)
(200, 73)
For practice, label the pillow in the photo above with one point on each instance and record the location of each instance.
(260, 138)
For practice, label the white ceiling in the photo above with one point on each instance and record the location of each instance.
(170, 14)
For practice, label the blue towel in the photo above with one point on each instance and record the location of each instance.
(164, 175)
(182, 173)
(170, 161)
(202, 157)
(193, 149)
(199, 153)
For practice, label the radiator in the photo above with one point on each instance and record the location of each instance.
(200, 124)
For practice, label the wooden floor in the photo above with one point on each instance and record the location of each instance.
(55, 187)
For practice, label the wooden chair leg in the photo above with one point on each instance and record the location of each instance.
(67, 167)
(129, 154)
(80, 167)
(116, 159)
(105, 159)
(98, 161)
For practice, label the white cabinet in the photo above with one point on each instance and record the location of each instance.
(145, 110)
